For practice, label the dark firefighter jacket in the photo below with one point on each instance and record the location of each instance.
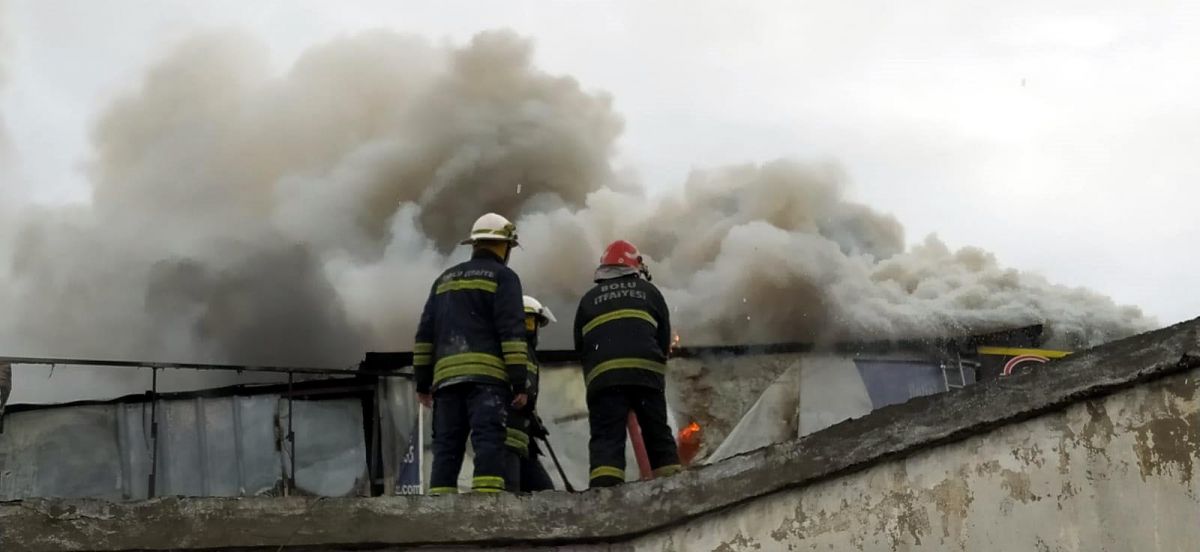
(472, 328)
(623, 334)
(520, 422)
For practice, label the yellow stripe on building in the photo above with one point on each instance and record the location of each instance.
(1018, 351)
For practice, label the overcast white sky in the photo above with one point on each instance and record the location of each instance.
(1063, 138)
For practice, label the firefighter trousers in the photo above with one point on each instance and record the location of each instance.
(525, 473)
(480, 411)
(533, 473)
(608, 413)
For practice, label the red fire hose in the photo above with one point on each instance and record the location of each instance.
(639, 447)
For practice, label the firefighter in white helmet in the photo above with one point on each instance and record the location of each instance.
(470, 358)
(526, 471)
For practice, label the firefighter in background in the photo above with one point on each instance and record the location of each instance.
(470, 358)
(526, 473)
(623, 335)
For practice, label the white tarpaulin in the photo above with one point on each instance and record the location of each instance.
(816, 392)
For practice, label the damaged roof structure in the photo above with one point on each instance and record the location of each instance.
(1098, 450)
(360, 433)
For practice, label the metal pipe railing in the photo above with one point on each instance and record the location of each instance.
(52, 361)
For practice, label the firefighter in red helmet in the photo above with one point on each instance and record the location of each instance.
(623, 335)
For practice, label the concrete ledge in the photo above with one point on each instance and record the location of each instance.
(603, 515)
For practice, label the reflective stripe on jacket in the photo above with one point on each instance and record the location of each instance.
(623, 334)
(472, 328)
(520, 422)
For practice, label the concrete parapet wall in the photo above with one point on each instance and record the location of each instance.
(1118, 473)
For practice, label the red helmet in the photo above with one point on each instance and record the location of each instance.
(623, 253)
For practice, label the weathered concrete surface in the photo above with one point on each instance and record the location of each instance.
(963, 470)
(1116, 473)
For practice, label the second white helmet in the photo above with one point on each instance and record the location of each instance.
(492, 227)
(542, 312)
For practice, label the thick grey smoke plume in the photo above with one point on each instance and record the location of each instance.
(243, 216)
(5, 146)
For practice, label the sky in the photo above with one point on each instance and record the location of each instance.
(1062, 138)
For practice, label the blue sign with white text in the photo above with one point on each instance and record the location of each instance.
(408, 478)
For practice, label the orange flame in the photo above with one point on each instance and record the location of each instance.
(689, 443)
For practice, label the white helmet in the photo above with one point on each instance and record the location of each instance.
(492, 227)
(542, 312)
